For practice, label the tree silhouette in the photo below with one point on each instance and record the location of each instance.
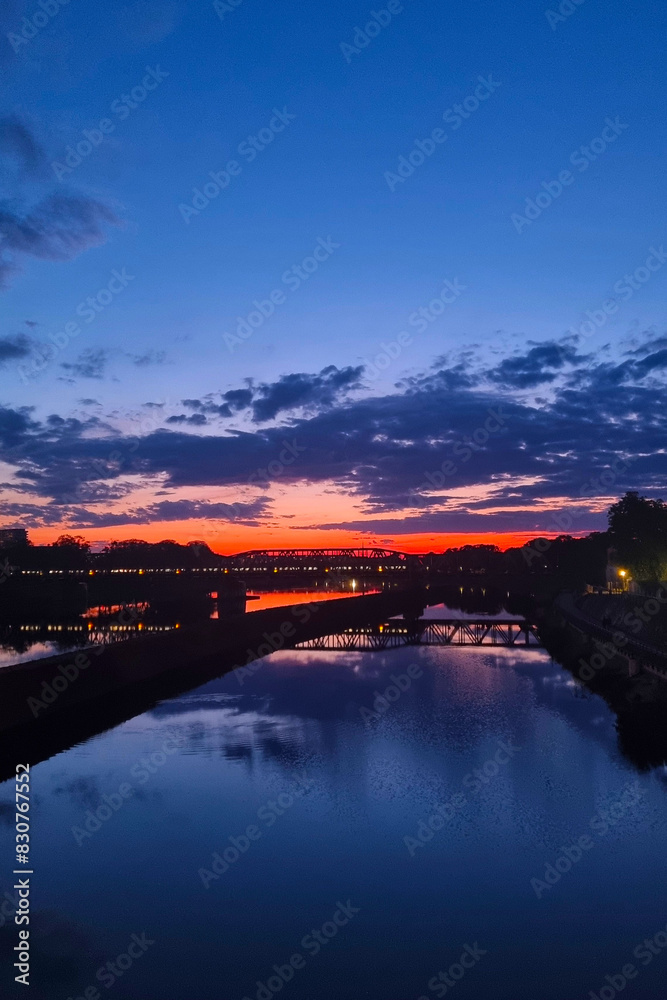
(638, 531)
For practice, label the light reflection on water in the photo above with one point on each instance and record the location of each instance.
(277, 599)
(21, 646)
(240, 747)
(36, 651)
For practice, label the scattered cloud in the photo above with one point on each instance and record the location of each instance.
(540, 364)
(90, 364)
(53, 226)
(310, 393)
(377, 450)
(11, 348)
(17, 144)
(245, 513)
(151, 357)
(194, 420)
(301, 390)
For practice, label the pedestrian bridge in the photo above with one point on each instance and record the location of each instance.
(517, 633)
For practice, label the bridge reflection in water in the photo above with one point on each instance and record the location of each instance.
(432, 632)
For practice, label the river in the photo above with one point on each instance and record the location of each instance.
(474, 829)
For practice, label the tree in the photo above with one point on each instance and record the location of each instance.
(638, 530)
(73, 541)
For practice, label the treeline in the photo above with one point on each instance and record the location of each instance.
(636, 539)
(576, 559)
(73, 552)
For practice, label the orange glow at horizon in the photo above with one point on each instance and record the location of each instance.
(231, 539)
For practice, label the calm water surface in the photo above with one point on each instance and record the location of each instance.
(231, 756)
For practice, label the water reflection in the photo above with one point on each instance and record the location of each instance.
(239, 748)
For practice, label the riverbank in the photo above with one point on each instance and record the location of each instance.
(597, 638)
(48, 703)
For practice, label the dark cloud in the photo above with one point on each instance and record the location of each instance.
(647, 346)
(90, 364)
(149, 358)
(267, 400)
(300, 390)
(194, 420)
(234, 400)
(246, 513)
(203, 406)
(17, 144)
(11, 348)
(540, 364)
(56, 226)
(382, 450)
(17, 427)
(653, 362)
(238, 399)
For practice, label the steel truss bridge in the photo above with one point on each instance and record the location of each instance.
(361, 560)
(432, 632)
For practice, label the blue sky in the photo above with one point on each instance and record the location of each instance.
(323, 177)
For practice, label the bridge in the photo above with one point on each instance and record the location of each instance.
(517, 633)
(261, 561)
(321, 561)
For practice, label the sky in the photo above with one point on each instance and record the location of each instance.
(281, 275)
